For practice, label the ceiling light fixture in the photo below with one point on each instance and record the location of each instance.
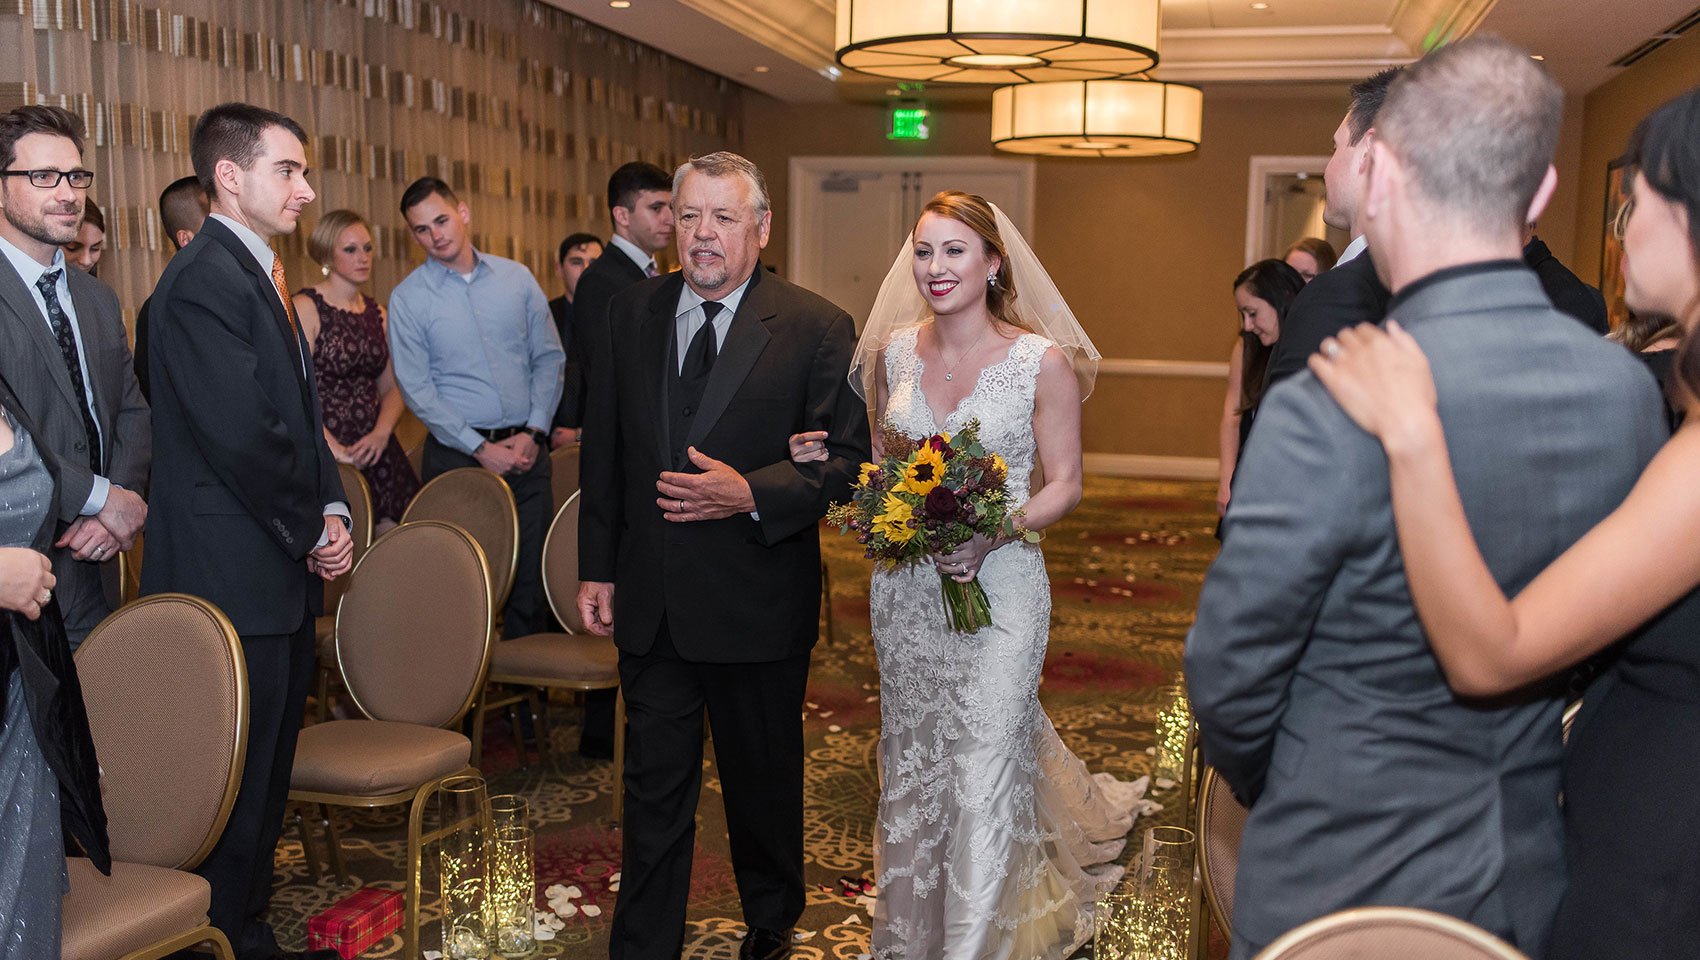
(619, 4)
(1098, 118)
(1536, 56)
(977, 41)
(761, 69)
(1260, 6)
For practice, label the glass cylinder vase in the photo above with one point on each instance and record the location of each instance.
(1164, 883)
(513, 889)
(463, 868)
(1173, 734)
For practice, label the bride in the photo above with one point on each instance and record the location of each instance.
(993, 839)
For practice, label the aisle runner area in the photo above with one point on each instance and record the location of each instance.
(1125, 571)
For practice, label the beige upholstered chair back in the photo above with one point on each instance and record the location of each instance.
(1221, 820)
(413, 633)
(563, 473)
(1389, 933)
(479, 502)
(167, 695)
(360, 510)
(560, 565)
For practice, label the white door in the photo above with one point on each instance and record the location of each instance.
(849, 215)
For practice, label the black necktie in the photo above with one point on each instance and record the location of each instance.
(48, 284)
(699, 357)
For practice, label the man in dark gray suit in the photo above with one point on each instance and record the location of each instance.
(1317, 695)
(64, 350)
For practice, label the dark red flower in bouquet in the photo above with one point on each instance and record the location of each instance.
(941, 504)
(938, 442)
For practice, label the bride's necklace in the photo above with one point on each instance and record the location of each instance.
(951, 369)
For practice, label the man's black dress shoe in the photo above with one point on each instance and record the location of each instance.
(762, 944)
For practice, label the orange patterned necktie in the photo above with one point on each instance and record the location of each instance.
(282, 286)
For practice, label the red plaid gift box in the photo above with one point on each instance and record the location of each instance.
(356, 922)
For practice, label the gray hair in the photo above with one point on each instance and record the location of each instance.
(724, 163)
(1476, 123)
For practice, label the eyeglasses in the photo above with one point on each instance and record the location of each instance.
(48, 179)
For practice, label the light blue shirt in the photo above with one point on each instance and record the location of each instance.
(30, 271)
(264, 255)
(477, 351)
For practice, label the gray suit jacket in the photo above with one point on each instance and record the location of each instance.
(1316, 692)
(32, 363)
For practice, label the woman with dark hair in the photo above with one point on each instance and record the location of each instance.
(1654, 339)
(1263, 292)
(1632, 768)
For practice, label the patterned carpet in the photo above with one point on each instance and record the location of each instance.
(1125, 571)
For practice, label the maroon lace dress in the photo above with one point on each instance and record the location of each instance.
(348, 358)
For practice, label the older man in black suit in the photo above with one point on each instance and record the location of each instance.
(249, 510)
(699, 550)
(64, 349)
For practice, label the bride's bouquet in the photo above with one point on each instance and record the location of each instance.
(929, 496)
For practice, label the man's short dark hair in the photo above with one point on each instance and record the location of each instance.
(635, 178)
(182, 206)
(233, 131)
(576, 240)
(420, 190)
(23, 121)
(1367, 98)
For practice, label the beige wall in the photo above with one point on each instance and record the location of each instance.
(1610, 115)
(1144, 250)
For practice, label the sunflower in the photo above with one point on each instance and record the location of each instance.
(925, 472)
(893, 521)
(869, 471)
(1001, 467)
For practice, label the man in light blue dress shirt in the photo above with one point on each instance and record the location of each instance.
(478, 359)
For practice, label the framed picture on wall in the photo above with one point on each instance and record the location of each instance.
(1611, 245)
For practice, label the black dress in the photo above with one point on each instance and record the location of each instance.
(1632, 801)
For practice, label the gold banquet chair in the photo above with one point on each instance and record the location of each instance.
(1221, 821)
(324, 630)
(167, 694)
(576, 660)
(1383, 933)
(480, 503)
(563, 473)
(413, 644)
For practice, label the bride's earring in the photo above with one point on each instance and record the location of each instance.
(991, 279)
(325, 270)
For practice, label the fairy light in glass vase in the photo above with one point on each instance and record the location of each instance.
(1173, 735)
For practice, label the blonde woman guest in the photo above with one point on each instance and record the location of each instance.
(351, 356)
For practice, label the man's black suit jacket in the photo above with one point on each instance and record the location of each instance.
(1565, 289)
(609, 274)
(1345, 296)
(735, 590)
(241, 470)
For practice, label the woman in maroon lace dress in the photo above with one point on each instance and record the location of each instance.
(351, 358)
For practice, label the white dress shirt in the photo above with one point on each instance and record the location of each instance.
(645, 261)
(30, 271)
(264, 256)
(689, 316)
(1359, 244)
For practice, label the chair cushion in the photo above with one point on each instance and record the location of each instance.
(136, 907)
(565, 657)
(368, 758)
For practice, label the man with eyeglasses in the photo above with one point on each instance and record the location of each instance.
(65, 354)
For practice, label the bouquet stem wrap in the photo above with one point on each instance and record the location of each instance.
(965, 604)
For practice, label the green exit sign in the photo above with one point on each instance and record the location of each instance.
(908, 123)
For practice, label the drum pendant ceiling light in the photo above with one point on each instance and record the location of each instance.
(997, 41)
(1098, 118)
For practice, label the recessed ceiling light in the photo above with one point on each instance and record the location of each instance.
(1260, 5)
(619, 4)
(761, 69)
(1536, 56)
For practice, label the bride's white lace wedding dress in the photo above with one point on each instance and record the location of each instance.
(994, 840)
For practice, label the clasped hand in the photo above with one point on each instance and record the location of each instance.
(516, 454)
(714, 494)
(114, 528)
(337, 555)
(26, 580)
(963, 563)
